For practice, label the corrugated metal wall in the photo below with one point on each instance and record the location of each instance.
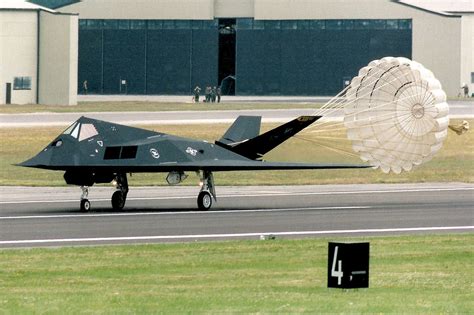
(147, 57)
(312, 57)
(292, 57)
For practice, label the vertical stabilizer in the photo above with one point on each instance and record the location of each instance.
(243, 128)
(256, 147)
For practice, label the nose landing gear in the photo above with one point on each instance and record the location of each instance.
(85, 203)
(119, 197)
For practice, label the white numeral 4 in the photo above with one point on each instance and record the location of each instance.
(336, 273)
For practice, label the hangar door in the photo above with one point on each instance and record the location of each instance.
(146, 57)
(312, 57)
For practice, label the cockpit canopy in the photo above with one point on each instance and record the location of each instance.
(81, 131)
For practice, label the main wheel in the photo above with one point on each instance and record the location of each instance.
(85, 205)
(204, 200)
(118, 200)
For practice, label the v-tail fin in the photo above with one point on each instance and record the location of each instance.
(243, 128)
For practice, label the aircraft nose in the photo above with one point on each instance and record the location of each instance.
(41, 159)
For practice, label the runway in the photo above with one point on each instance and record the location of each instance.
(31, 217)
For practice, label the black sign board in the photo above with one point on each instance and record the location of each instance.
(348, 265)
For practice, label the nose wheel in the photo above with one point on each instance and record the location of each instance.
(85, 203)
(119, 197)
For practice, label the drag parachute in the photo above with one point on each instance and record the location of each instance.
(396, 114)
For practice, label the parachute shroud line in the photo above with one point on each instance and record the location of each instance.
(395, 114)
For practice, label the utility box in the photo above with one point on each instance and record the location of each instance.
(348, 265)
(8, 98)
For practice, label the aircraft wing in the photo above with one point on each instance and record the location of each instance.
(238, 165)
(213, 166)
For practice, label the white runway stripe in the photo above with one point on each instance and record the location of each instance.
(210, 236)
(251, 195)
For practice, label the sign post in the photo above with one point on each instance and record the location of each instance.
(348, 265)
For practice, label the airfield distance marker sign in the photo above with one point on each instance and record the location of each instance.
(348, 265)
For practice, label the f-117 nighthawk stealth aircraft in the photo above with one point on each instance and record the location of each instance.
(91, 151)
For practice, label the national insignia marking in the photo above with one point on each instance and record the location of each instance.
(154, 153)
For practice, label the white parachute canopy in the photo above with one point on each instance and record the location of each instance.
(396, 114)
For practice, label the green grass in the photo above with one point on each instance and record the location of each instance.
(408, 274)
(146, 106)
(454, 163)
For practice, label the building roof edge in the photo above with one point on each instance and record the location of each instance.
(441, 13)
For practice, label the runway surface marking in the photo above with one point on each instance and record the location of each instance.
(265, 194)
(132, 214)
(205, 236)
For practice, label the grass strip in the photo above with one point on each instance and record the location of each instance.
(409, 274)
(124, 106)
(454, 163)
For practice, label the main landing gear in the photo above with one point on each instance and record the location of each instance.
(204, 200)
(119, 197)
(208, 191)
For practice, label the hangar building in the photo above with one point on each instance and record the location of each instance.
(270, 47)
(260, 47)
(38, 54)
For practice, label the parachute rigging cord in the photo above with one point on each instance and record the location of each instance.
(395, 114)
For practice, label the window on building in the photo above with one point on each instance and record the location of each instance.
(182, 24)
(404, 24)
(303, 24)
(124, 24)
(110, 24)
(137, 24)
(94, 24)
(155, 24)
(168, 24)
(289, 25)
(361, 24)
(348, 24)
(318, 24)
(334, 24)
(196, 24)
(210, 24)
(258, 25)
(248, 24)
(22, 83)
(272, 25)
(392, 24)
(244, 24)
(379, 24)
(472, 77)
(82, 24)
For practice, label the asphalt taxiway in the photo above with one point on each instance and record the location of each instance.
(49, 216)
